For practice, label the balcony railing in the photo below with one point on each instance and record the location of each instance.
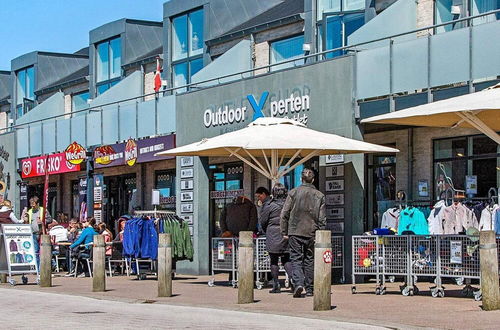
(396, 65)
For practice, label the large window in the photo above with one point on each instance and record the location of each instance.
(450, 10)
(79, 101)
(287, 49)
(476, 158)
(25, 90)
(165, 183)
(187, 47)
(108, 64)
(337, 20)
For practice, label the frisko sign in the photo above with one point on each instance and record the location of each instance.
(293, 104)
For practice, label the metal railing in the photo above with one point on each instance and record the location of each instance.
(245, 74)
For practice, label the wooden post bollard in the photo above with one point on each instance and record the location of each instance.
(322, 271)
(245, 268)
(3, 278)
(99, 264)
(488, 255)
(45, 262)
(165, 266)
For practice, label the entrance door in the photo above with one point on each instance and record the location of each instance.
(120, 197)
(226, 181)
(381, 188)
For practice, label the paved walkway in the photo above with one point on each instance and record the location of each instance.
(38, 310)
(391, 310)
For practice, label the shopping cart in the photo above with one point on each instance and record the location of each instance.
(225, 259)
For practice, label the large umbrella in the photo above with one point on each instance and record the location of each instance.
(267, 142)
(479, 110)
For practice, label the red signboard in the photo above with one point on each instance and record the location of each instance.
(31, 167)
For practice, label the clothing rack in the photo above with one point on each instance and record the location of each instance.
(155, 213)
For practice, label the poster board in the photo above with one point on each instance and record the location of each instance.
(17, 251)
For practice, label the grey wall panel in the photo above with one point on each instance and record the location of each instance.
(5, 85)
(107, 31)
(447, 93)
(373, 108)
(54, 68)
(409, 101)
(140, 40)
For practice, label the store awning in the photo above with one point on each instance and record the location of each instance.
(267, 143)
(480, 110)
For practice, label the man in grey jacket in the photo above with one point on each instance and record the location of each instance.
(303, 214)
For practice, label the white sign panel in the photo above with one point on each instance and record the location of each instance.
(97, 194)
(188, 218)
(333, 159)
(335, 213)
(187, 207)
(335, 227)
(455, 252)
(471, 184)
(187, 173)
(334, 185)
(187, 161)
(186, 196)
(155, 197)
(337, 170)
(19, 248)
(187, 184)
(334, 199)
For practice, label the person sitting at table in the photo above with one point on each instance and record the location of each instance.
(58, 234)
(83, 246)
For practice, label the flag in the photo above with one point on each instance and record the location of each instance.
(157, 75)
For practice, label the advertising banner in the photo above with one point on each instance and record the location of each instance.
(57, 164)
(19, 248)
(133, 151)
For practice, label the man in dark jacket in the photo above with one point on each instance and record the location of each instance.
(240, 215)
(303, 214)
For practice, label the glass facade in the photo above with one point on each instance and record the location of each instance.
(287, 49)
(450, 10)
(337, 20)
(455, 159)
(108, 64)
(187, 47)
(79, 101)
(25, 90)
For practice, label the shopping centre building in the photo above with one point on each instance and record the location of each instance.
(227, 63)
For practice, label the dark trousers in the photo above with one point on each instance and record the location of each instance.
(302, 257)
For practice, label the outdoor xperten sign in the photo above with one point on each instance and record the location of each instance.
(294, 105)
(32, 167)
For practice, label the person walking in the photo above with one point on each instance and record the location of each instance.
(303, 214)
(276, 245)
(34, 218)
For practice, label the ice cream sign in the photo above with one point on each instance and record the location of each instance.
(57, 163)
(75, 153)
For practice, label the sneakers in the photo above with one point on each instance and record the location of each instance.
(297, 293)
(70, 274)
(276, 288)
(81, 275)
(309, 293)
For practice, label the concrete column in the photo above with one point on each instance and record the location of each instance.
(322, 270)
(489, 270)
(165, 266)
(45, 262)
(245, 268)
(99, 264)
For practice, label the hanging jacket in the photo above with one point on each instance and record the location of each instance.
(497, 221)
(487, 221)
(390, 218)
(149, 240)
(458, 218)
(435, 219)
(412, 219)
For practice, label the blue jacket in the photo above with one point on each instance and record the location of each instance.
(140, 239)
(412, 219)
(86, 237)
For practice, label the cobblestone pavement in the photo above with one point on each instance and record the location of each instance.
(38, 310)
(391, 310)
